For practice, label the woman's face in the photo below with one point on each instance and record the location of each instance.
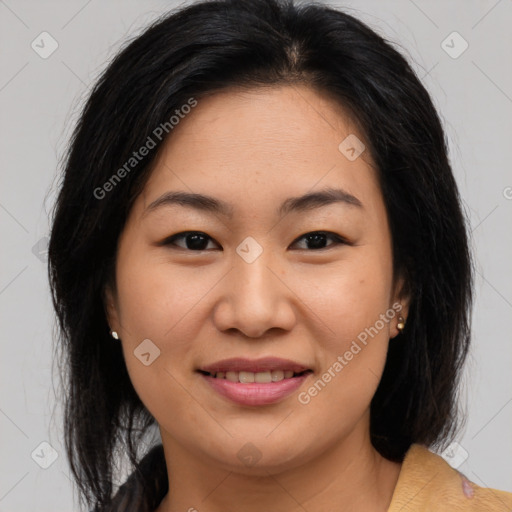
(259, 281)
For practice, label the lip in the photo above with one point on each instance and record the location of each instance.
(264, 364)
(254, 394)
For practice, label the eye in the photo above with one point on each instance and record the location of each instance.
(194, 240)
(198, 241)
(316, 240)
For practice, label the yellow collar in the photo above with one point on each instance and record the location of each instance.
(427, 483)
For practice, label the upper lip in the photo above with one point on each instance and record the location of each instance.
(265, 364)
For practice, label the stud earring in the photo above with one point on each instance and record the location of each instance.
(114, 335)
(401, 323)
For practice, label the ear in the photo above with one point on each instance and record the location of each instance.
(400, 304)
(109, 305)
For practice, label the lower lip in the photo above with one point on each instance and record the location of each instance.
(256, 393)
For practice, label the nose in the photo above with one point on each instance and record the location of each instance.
(255, 298)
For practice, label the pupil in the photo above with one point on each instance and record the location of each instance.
(318, 241)
(196, 241)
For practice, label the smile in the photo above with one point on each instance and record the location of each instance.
(258, 377)
(254, 382)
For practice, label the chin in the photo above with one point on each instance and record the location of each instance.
(259, 455)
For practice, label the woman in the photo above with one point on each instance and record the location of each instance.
(258, 249)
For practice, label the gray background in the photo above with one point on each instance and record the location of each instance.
(40, 100)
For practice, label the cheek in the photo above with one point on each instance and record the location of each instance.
(159, 298)
(352, 358)
(352, 300)
(161, 303)
(347, 296)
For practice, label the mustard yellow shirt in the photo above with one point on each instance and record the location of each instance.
(427, 483)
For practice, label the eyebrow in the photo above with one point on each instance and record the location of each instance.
(306, 202)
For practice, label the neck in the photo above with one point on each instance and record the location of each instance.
(352, 474)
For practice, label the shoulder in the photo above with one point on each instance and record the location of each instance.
(428, 483)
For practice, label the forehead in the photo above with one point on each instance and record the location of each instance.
(244, 143)
(277, 119)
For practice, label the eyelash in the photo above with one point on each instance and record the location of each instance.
(337, 239)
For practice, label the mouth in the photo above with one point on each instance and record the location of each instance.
(246, 377)
(255, 382)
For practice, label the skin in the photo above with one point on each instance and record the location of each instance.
(254, 149)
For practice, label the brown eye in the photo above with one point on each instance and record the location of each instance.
(317, 240)
(193, 240)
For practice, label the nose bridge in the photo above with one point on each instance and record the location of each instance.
(254, 284)
(255, 299)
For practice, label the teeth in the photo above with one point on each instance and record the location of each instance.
(232, 376)
(277, 375)
(260, 377)
(246, 377)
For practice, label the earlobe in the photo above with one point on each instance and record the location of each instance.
(399, 321)
(401, 308)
